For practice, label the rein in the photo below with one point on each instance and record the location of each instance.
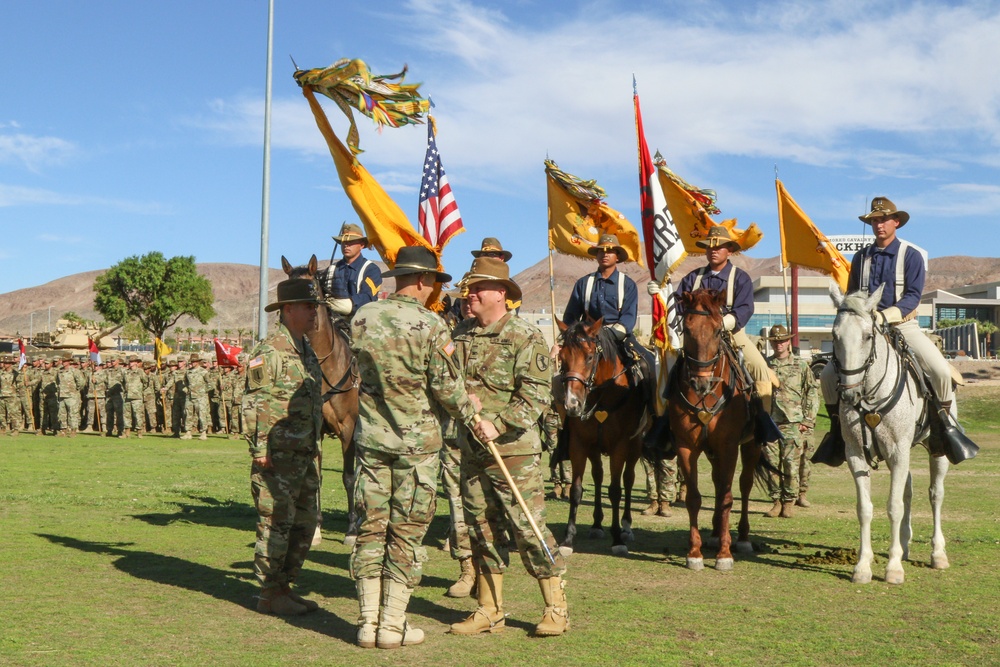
(589, 382)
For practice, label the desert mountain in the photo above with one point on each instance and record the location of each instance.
(235, 288)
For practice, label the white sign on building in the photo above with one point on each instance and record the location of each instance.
(848, 244)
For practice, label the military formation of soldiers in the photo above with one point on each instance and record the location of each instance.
(65, 396)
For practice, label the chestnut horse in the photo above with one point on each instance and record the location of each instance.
(340, 388)
(710, 411)
(604, 416)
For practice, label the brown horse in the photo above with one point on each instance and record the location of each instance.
(340, 387)
(710, 411)
(604, 416)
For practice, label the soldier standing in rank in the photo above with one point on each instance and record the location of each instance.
(408, 378)
(793, 409)
(69, 383)
(196, 394)
(178, 409)
(48, 399)
(505, 363)
(133, 386)
(352, 281)
(10, 406)
(25, 386)
(151, 396)
(115, 410)
(282, 410)
(99, 392)
(35, 378)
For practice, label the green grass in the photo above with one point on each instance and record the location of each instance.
(139, 553)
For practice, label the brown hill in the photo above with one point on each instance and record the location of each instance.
(235, 288)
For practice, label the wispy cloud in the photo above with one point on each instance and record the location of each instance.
(32, 151)
(14, 195)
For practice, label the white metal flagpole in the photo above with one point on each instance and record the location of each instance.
(266, 196)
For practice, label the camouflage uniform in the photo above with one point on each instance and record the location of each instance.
(506, 365)
(661, 481)
(283, 412)
(408, 380)
(49, 402)
(115, 410)
(25, 386)
(10, 406)
(795, 403)
(69, 383)
(235, 414)
(135, 382)
(99, 394)
(196, 385)
(451, 484)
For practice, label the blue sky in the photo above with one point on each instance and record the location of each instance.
(127, 127)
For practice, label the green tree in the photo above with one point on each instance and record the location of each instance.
(201, 339)
(73, 318)
(154, 291)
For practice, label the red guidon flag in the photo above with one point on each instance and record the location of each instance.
(227, 355)
(22, 360)
(95, 353)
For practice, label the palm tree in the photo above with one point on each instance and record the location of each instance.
(241, 333)
(201, 339)
(228, 333)
(190, 332)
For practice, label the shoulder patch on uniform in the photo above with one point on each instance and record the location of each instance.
(256, 361)
(448, 348)
(542, 361)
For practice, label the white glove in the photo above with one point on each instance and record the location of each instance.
(652, 288)
(619, 331)
(728, 321)
(340, 306)
(891, 315)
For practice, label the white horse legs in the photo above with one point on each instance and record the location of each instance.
(863, 486)
(939, 468)
(899, 475)
(906, 526)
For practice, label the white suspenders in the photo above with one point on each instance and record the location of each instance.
(590, 289)
(730, 284)
(866, 264)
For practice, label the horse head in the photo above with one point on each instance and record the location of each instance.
(855, 333)
(702, 336)
(579, 357)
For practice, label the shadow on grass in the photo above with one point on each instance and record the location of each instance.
(236, 586)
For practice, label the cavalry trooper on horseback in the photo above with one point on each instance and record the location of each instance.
(894, 263)
(352, 281)
(721, 275)
(610, 294)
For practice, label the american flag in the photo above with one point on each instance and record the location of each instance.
(438, 215)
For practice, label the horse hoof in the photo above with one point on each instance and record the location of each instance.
(724, 564)
(696, 564)
(940, 562)
(349, 540)
(628, 536)
(565, 551)
(596, 533)
(744, 547)
(861, 578)
(619, 550)
(894, 577)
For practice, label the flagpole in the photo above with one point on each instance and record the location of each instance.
(266, 195)
(552, 296)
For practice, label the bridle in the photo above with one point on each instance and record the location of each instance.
(589, 381)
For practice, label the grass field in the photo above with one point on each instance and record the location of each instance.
(134, 552)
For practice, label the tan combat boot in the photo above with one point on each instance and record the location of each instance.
(466, 581)
(274, 601)
(202, 435)
(786, 509)
(393, 630)
(138, 434)
(310, 605)
(555, 618)
(802, 502)
(186, 435)
(488, 616)
(774, 511)
(125, 434)
(664, 510)
(653, 508)
(369, 594)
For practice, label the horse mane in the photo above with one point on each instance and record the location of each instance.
(704, 298)
(856, 302)
(576, 335)
(300, 272)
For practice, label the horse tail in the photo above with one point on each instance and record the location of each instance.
(765, 472)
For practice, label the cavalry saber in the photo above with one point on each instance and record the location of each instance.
(517, 494)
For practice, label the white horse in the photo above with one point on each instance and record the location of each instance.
(882, 410)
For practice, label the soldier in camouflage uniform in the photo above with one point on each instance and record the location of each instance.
(10, 405)
(99, 394)
(151, 396)
(408, 380)
(196, 396)
(175, 394)
(48, 400)
(506, 365)
(239, 384)
(793, 409)
(25, 386)
(115, 410)
(282, 409)
(134, 387)
(69, 384)
(225, 390)
(661, 485)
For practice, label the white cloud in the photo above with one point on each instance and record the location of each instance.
(31, 151)
(15, 195)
